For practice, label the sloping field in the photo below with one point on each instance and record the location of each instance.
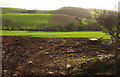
(59, 19)
(31, 21)
(28, 20)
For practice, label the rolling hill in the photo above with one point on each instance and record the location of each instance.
(25, 19)
(72, 11)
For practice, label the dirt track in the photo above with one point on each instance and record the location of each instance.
(33, 56)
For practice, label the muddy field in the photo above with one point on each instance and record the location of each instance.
(34, 57)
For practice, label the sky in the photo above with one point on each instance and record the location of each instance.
(56, 4)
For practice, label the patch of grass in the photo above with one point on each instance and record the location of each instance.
(50, 34)
(80, 73)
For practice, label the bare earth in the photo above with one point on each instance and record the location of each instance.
(34, 57)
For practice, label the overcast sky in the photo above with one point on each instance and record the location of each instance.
(55, 4)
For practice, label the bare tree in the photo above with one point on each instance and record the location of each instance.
(108, 20)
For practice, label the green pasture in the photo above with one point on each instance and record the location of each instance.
(28, 20)
(84, 34)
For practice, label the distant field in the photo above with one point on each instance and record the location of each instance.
(85, 34)
(11, 10)
(28, 20)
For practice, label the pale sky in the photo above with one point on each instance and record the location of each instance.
(56, 4)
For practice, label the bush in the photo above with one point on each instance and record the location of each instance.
(7, 23)
(41, 27)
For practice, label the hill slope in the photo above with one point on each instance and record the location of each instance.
(73, 11)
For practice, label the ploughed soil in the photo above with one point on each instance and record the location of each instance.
(34, 57)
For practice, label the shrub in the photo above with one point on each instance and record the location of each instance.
(7, 23)
(41, 27)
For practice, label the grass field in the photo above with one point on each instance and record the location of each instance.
(28, 20)
(85, 34)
